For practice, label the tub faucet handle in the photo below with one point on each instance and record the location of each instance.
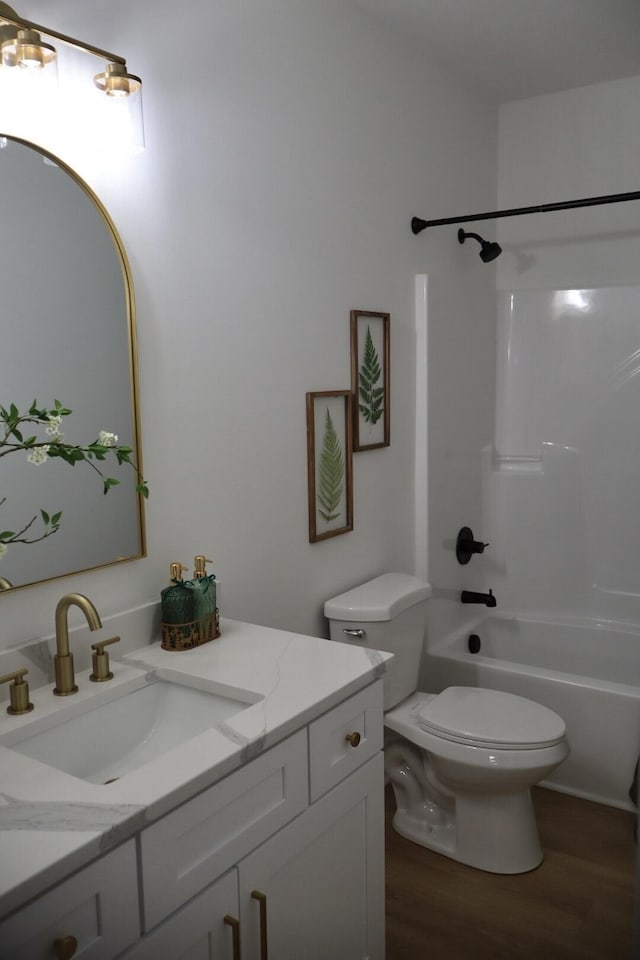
(467, 545)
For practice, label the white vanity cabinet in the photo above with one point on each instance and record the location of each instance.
(315, 891)
(302, 829)
(284, 858)
(97, 907)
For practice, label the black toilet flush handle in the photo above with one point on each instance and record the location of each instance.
(466, 545)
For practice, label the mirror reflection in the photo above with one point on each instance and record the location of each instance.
(68, 335)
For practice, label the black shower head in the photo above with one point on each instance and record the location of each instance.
(489, 249)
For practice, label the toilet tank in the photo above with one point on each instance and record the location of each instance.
(387, 613)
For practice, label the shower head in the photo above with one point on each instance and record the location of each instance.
(489, 249)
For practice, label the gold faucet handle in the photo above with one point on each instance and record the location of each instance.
(18, 692)
(101, 670)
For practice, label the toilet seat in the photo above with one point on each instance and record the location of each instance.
(478, 717)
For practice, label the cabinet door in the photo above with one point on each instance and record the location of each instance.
(320, 880)
(203, 930)
(98, 907)
(188, 849)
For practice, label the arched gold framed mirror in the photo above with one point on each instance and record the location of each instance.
(67, 334)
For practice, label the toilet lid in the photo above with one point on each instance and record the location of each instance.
(490, 718)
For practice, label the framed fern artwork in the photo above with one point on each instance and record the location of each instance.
(370, 379)
(329, 463)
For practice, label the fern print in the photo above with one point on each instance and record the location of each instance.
(371, 403)
(330, 473)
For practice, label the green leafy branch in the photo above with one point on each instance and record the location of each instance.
(330, 473)
(371, 404)
(50, 524)
(15, 438)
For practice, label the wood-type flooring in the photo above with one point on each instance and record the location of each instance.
(577, 905)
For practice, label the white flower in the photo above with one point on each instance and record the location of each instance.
(38, 455)
(3, 549)
(52, 427)
(106, 439)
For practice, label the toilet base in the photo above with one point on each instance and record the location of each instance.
(470, 803)
(495, 833)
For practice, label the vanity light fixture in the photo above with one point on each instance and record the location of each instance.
(116, 82)
(28, 50)
(21, 45)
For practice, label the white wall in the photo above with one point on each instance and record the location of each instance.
(577, 143)
(284, 159)
(566, 532)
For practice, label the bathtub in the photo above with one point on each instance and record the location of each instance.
(587, 673)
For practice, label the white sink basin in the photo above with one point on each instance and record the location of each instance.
(105, 742)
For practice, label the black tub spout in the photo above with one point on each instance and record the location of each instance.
(468, 596)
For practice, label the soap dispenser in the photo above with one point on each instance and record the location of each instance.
(177, 611)
(176, 599)
(204, 598)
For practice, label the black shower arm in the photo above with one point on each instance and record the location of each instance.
(463, 234)
(418, 225)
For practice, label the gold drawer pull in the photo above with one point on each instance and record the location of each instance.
(262, 900)
(65, 947)
(235, 934)
(353, 738)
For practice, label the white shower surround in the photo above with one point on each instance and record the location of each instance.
(561, 488)
(560, 492)
(560, 481)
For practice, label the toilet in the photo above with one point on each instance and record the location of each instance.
(462, 761)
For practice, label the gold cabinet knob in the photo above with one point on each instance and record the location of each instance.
(353, 738)
(65, 947)
(18, 692)
(101, 669)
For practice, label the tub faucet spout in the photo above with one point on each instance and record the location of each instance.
(468, 596)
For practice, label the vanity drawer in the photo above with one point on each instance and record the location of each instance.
(192, 846)
(98, 906)
(331, 755)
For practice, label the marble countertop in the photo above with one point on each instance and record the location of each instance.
(52, 823)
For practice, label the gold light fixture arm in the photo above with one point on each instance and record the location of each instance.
(10, 16)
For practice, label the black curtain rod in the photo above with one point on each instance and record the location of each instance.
(418, 225)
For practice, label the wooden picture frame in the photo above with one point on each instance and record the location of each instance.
(329, 463)
(370, 369)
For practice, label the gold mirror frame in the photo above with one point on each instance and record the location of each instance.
(129, 320)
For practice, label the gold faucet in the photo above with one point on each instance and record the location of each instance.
(63, 660)
(5, 584)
